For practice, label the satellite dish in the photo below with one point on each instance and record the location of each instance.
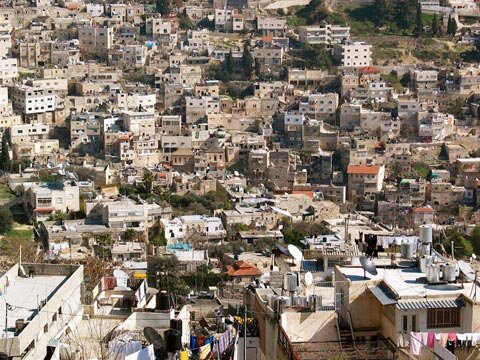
(466, 270)
(474, 257)
(368, 266)
(308, 278)
(154, 338)
(122, 278)
(295, 252)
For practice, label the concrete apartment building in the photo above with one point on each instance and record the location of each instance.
(364, 183)
(403, 300)
(32, 101)
(96, 40)
(323, 34)
(192, 226)
(8, 71)
(41, 200)
(5, 38)
(27, 133)
(40, 301)
(157, 26)
(353, 54)
(272, 26)
(140, 123)
(320, 106)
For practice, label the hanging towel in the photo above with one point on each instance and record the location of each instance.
(400, 341)
(438, 336)
(444, 338)
(424, 337)
(431, 340)
(415, 343)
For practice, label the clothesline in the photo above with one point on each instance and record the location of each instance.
(450, 341)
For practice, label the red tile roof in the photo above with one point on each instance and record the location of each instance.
(370, 70)
(308, 193)
(363, 169)
(267, 38)
(243, 268)
(44, 210)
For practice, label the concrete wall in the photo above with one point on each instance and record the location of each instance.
(42, 327)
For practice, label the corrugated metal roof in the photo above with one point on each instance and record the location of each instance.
(382, 296)
(430, 304)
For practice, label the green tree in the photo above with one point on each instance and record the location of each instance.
(104, 242)
(6, 220)
(418, 21)
(147, 181)
(258, 69)
(451, 26)
(475, 238)
(129, 235)
(247, 61)
(315, 12)
(380, 12)
(404, 12)
(436, 27)
(229, 65)
(4, 157)
(164, 7)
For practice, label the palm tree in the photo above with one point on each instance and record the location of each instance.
(147, 180)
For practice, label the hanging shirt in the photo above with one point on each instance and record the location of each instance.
(183, 355)
(431, 340)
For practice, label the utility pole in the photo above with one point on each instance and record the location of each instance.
(245, 332)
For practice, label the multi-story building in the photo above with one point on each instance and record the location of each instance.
(40, 302)
(194, 227)
(353, 54)
(320, 106)
(270, 26)
(5, 38)
(28, 133)
(30, 101)
(364, 183)
(96, 41)
(41, 200)
(323, 34)
(140, 123)
(85, 134)
(8, 71)
(157, 26)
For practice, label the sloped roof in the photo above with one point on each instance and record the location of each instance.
(424, 209)
(363, 169)
(243, 268)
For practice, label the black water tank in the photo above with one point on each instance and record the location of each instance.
(176, 324)
(172, 340)
(3, 356)
(162, 301)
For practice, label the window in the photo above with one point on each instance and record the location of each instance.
(405, 324)
(443, 318)
(414, 322)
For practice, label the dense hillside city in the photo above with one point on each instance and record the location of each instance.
(239, 180)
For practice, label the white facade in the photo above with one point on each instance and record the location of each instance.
(354, 54)
(8, 70)
(324, 34)
(139, 123)
(29, 100)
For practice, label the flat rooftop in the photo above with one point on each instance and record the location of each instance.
(410, 282)
(24, 295)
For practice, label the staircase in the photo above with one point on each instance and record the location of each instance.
(346, 340)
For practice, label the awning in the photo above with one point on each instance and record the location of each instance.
(430, 304)
(382, 296)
